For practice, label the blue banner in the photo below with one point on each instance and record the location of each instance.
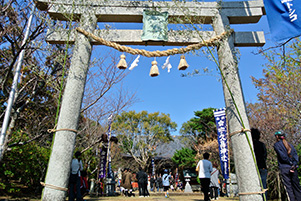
(103, 162)
(153, 167)
(222, 138)
(105, 155)
(284, 18)
(109, 171)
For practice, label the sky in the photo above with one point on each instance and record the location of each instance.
(178, 96)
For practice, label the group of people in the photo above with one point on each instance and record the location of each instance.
(164, 183)
(207, 173)
(287, 162)
(156, 183)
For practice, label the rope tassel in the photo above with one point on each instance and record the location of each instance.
(122, 63)
(154, 69)
(183, 63)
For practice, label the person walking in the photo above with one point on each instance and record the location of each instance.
(288, 163)
(165, 182)
(214, 185)
(261, 157)
(74, 181)
(204, 168)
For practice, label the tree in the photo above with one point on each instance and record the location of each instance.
(185, 158)
(200, 128)
(140, 133)
(278, 106)
(201, 132)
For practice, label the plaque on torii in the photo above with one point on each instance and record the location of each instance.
(220, 14)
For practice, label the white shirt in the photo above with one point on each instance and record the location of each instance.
(205, 168)
(76, 166)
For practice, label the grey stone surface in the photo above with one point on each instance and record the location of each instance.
(63, 144)
(248, 181)
(131, 11)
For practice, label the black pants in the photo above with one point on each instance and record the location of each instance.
(205, 182)
(146, 193)
(143, 189)
(291, 183)
(213, 192)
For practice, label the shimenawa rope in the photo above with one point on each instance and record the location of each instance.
(157, 53)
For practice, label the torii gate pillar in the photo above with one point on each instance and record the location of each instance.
(64, 141)
(245, 168)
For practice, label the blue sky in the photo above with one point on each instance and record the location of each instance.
(179, 96)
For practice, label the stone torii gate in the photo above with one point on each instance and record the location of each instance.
(89, 12)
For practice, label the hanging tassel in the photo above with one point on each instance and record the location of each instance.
(135, 63)
(122, 63)
(183, 64)
(154, 69)
(167, 65)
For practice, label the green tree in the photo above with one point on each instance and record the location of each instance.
(140, 133)
(201, 132)
(201, 127)
(23, 167)
(185, 158)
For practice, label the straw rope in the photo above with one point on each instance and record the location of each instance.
(252, 193)
(157, 53)
(54, 187)
(62, 129)
(241, 131)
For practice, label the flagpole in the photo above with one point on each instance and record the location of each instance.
(14, 85)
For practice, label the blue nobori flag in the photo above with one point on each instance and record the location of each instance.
(222, 138)
(284, 17)
(153, 167)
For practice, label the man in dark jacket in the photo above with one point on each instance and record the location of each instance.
(141, 176)
(261, 157)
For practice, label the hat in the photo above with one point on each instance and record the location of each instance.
(165, 170)
(279, 133)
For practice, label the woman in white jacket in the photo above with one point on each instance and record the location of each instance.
(214, 185)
